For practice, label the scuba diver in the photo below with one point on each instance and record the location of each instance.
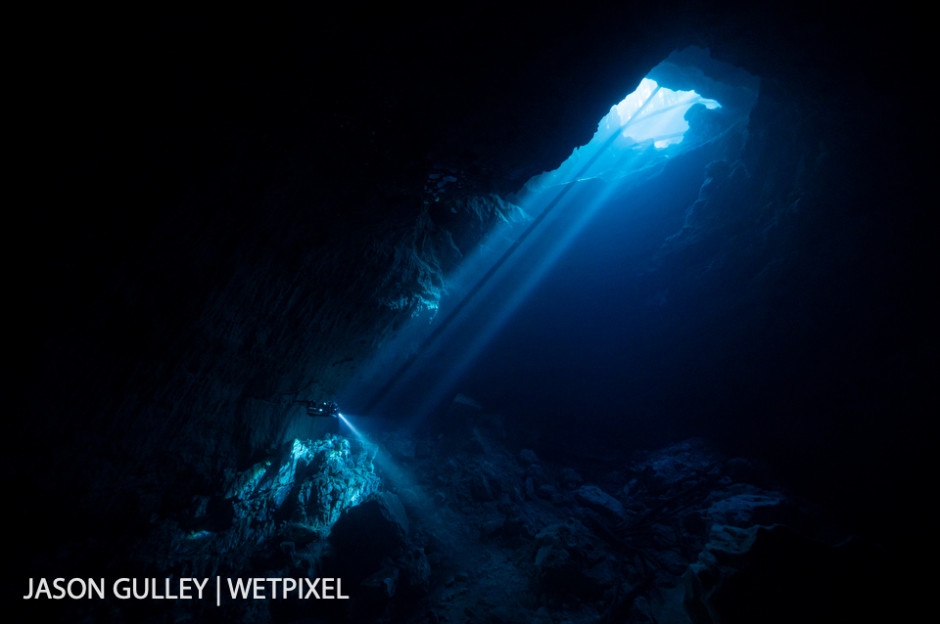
(321, 408)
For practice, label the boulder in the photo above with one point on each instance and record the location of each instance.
(600, 501)
(368, 533)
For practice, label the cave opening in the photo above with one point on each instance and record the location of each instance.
(650, 115)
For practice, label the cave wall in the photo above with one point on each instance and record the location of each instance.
(220, 209)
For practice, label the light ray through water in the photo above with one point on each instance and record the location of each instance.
(639, 132)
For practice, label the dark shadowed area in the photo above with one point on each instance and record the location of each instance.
(677, 372)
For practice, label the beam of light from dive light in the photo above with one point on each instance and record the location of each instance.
(352, 428)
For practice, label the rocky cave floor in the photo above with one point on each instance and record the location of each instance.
(458, 526)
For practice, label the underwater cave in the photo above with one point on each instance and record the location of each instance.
(599, 313)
